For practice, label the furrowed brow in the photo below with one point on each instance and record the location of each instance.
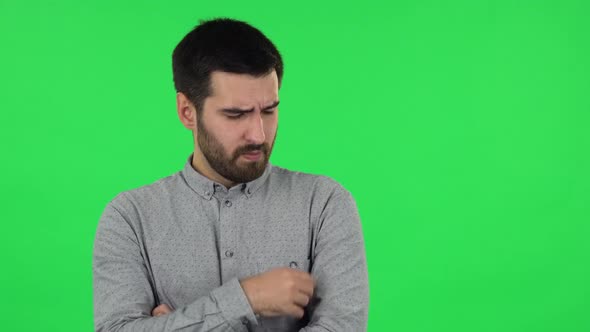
(236, 110)
(242, 110)
(273, 105)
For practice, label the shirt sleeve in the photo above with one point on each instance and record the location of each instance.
(124, 294)
(341, 298)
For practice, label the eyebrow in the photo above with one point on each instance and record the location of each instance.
(241, 110)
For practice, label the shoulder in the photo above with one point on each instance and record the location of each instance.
(317, 184)
(148, 196)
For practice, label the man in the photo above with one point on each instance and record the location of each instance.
(231, 242)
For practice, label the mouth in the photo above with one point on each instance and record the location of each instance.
(252, 155)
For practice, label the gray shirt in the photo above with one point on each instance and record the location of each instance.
(187, 241)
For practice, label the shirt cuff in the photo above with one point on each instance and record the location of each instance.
(233, 303)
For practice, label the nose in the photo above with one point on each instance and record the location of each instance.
(255, 132)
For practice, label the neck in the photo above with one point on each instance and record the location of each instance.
(201, 165)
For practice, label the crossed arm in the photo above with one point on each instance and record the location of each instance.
(124, 297)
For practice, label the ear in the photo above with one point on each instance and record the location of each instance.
(186, 111)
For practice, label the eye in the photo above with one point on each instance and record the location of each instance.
(233, 115)
(269, 111)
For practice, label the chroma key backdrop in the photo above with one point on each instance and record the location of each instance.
(462, 129)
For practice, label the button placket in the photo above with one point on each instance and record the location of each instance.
(228, 202)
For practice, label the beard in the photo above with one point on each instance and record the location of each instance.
(228, 165)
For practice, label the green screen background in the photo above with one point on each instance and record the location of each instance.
(460, 127)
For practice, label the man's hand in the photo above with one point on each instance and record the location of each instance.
(282, 291)
(160, 310)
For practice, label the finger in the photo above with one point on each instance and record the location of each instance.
(160, 310)
(165, 308)
(303, 281)
(304, 276)
(295, 311)
(157, 312)
(301, 299)
(306, 286)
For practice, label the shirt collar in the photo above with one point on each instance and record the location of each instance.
(207, 187)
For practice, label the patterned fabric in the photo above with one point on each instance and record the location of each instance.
(187, 241)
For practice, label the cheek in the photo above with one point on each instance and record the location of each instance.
(270, 130)
(224, 138)
(230, 142)
(234, 139)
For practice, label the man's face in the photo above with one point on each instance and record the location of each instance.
(237, 128)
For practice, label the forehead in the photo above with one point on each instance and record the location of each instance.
(236, 90)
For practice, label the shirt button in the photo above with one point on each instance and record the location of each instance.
(207, 193)
(228, 203)
(245, 321)
(229, 253)
(293, 265)
(248, 191)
